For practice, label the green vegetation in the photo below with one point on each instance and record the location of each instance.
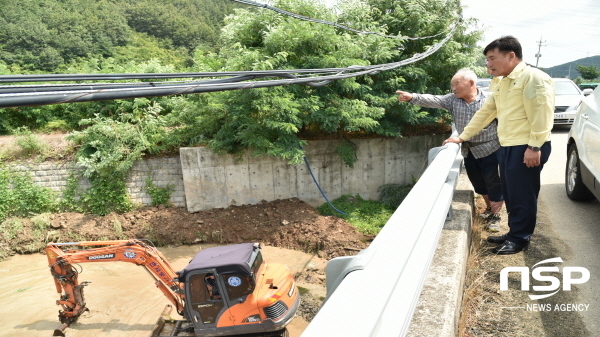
(19, 196)
(123, 36)
(588, 72)
(29, 142)
(392, 195)
(160, 195)
(368, 216)
(303, 291)
(107, 194)
(11, 228)
(569, 69)
(27, 145)
(276, 121)
(52, 35)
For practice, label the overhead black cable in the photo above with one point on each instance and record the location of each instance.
(150, 76)
(307, 18)
(151, 89)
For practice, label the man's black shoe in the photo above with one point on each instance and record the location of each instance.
(496, 238)
(509, 247)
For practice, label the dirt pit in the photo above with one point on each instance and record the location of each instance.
(122, 298)
(289, 223)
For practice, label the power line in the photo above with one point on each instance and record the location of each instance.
(559, 45)
(31, 95)
(307, 18)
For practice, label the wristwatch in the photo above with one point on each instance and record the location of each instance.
(534, 148)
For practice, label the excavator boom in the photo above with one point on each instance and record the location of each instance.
(138, 252)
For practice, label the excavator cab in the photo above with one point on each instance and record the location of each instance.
(230, 291)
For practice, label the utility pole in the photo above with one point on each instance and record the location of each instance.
(538, 55)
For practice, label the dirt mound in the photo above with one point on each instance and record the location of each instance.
(289, 223)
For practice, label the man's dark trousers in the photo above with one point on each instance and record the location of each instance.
(521, 187)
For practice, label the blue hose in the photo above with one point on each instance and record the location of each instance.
(321, 190)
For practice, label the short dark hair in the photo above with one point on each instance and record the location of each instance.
(506, 44)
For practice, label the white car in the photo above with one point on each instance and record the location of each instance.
(567, 99)
(582, 174)
(483, 83)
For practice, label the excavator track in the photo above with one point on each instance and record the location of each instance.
(280, 333)
(166, 327)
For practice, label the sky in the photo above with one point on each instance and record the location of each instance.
(569, 30)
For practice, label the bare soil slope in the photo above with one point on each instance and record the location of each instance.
(289, 223)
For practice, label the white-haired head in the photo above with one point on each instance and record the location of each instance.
(463, 85)
(466, 74)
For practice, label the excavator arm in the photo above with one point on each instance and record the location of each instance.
(65, 274)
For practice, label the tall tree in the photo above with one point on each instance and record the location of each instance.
(273, 121)
(425, 22)
(588, 72)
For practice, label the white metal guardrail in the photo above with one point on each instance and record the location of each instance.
(375, 292)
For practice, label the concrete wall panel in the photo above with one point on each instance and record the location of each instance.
(379, 161)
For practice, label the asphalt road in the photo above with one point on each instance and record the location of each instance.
(575, 225)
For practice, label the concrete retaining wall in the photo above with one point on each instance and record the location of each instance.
(203, 180)
(162, 171)
(221, 180)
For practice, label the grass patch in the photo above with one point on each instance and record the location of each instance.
(477, 293)
(30, 143)
(303, 291)
(118, 228)
(10, 228)
(368, 216)
(392, 195)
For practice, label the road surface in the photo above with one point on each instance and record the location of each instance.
(576, 225)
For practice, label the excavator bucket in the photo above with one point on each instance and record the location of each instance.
(60, 331)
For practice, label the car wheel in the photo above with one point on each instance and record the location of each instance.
(576, 190)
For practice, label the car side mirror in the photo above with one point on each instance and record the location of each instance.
(587, 91)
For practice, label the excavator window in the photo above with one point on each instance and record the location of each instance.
(258, 261)
(238, 285)
(206, 297)
(212, 287)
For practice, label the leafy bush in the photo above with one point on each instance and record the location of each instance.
(160, 195)
(276, 121)
(19, 196)
(107, 194)
(112, 145)
(30, 143)
(108, 149)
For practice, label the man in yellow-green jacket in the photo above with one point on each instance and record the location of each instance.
(523, 103)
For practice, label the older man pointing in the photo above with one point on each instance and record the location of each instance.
(481, 161)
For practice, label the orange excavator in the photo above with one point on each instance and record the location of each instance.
(223, 291)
